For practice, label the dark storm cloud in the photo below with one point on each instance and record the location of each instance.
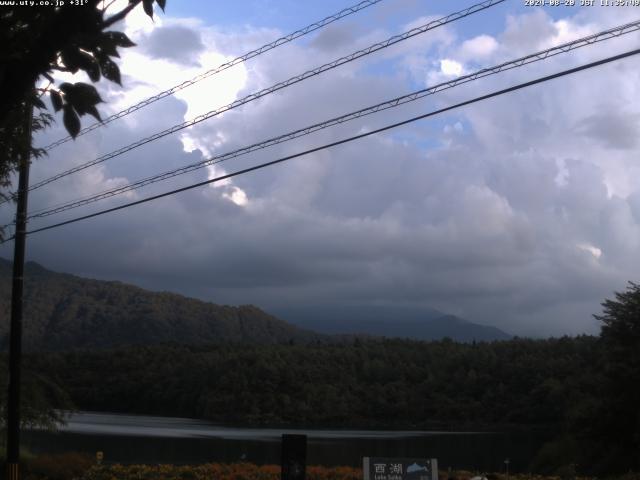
(334, 37)
(615, 129)
(176, 43)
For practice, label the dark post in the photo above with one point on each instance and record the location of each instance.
(294, 457)
(15, 339)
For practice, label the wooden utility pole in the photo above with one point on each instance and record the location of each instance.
(15, 335)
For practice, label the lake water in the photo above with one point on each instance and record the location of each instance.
(145, 439)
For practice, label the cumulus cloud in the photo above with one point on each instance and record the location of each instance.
(451, 68)
(522, 212)
(615, 129)
(177, 43)
(335, 36)
(478, 48)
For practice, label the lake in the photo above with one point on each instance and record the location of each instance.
(146, 439)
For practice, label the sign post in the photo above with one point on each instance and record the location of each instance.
(294, 457)
(378, 468)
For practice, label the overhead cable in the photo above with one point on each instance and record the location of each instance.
(345, 140)
(279, 86)
(253, 53)
(528, 59)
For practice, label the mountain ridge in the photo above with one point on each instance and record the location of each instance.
(65, 311)
(416, 323)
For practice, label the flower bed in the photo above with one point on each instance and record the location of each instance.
(213, 471)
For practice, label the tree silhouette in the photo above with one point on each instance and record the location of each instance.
(617, 426)
(39, 41)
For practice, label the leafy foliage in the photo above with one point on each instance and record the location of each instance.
(14, 143)
(42, 399)
(66, 466)
(610, 426)
(37, 42)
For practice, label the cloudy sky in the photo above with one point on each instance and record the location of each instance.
(521, 212)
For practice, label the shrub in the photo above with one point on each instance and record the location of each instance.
(64, 466)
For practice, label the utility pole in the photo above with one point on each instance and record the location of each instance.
(15, 335)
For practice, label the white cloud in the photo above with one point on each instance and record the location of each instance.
(237, 196)
(595, 251)
(521, 212)
(478, 48)
(566, 31)
(451, 67)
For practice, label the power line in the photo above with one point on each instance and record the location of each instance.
(346, 140)
(278, 86)
(254, 53)
(535, 57)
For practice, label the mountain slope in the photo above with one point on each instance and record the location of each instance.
(404, 322)
(64, 311)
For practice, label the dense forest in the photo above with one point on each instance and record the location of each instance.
(366, 383)
(397, 384)
(583, 389)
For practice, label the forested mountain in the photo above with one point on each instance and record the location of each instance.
(64, 311)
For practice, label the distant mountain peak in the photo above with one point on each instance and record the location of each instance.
(417, 323)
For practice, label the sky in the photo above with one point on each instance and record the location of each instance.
(521, 212)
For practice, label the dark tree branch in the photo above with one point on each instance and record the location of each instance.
(120, 15)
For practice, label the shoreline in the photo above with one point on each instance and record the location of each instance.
(427, 427)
